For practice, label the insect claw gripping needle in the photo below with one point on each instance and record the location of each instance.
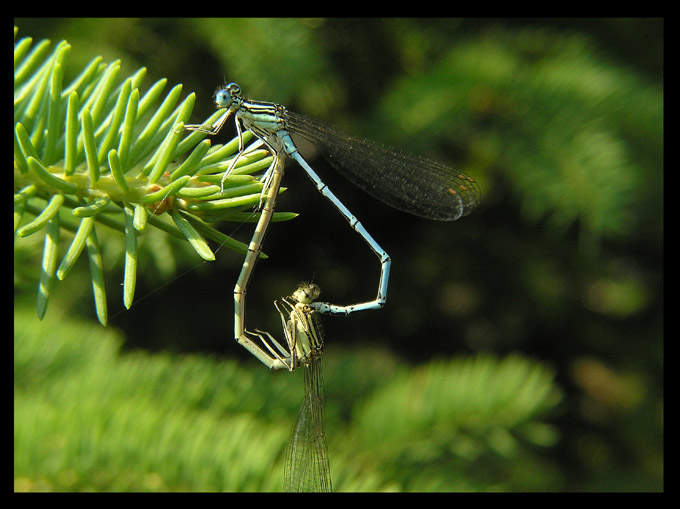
(412, 184)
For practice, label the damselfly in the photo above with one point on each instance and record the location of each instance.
(307, 467)
(413, 184)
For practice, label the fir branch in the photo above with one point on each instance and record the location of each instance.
(98, 151)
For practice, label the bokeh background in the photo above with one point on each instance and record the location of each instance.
(558, 274)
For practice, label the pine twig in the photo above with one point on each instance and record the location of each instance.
(96, 152)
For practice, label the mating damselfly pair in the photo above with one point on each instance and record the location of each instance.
(412, 184)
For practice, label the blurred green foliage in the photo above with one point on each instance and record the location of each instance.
(561, 122)
(88, 417)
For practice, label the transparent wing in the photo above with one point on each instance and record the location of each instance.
(413, 184)
(307, 467)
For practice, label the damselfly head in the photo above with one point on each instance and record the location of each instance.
(306, 293)
(225, 96)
